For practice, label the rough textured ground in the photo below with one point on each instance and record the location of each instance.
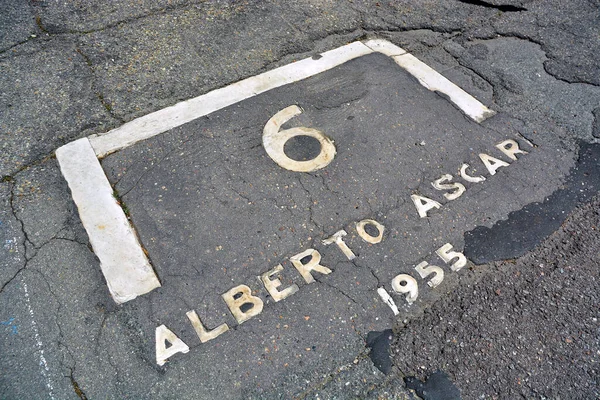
(72, 68)
(529, 328)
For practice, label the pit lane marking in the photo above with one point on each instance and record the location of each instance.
(126, 268)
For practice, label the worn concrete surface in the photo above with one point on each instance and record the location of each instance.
(91, 67)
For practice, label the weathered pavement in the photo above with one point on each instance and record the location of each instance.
(524, 327)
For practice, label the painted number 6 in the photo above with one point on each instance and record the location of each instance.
(274, 141)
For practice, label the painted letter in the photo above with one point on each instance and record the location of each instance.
(272, 285)
(240, 296)
(274, 142)
(310, 265)
(337, 238)
(492, 163)
(201, 331)
(424, 270)
(510, 148)
(405, 283)
(424, 204)
(360, 228)
(469, 178)
(387, 299)
(163, 335)
(459, 188)
(445, 253)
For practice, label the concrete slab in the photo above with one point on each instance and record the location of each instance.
(125, 267)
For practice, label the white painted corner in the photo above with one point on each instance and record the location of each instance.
(126, 268)
(170, 117)
(384, 47)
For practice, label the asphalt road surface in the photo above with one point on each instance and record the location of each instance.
(372, 276)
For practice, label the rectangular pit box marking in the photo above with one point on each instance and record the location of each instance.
(122, 259)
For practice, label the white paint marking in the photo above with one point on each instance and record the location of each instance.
(360, 228)
(436, 82)
(469, 178)
(387, 299)
(445, 253)
(170, 117)
(424, 270)
(122, 260)
(406, 284)
(40, 345)
(385, 47)
(186, 111)
(338, 239)
(274, 140)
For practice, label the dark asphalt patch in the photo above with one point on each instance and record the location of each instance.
(526, 228)
(437, 387)
(379, 343)
(527, 330)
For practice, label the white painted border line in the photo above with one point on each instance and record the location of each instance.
(433, 80)
(122, 260)
(186, 111)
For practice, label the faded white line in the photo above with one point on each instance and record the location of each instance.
(432, 79)
(125, 266)
(186, 111)
(39, 344)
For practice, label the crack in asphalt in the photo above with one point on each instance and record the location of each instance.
(369, 269)
(153, 165)
(159, 11)
(28, 245)
(361, 356)
(25, 237)
(340, 291)
(105, 104)
(78, 391)
(310, 207)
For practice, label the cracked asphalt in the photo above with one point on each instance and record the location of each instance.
(519, 321)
